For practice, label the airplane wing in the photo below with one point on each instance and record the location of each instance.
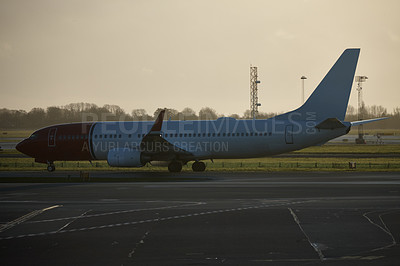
(156, 148)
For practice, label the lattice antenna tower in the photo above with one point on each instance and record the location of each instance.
(360, 110)
(254, 92)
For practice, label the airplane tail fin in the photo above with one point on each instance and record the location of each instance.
(330, 98)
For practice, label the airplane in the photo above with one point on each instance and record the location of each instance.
(175, 143)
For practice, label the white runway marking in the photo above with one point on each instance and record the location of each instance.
(313, 245)
(24, 218)
(119, 212)
(156, 219)
(141, 242)
(67, 224)
(384, 228)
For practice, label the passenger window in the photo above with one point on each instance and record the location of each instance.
(176, 135)
(229, 134)
(247, 134)
(209, 134)
(213, 135)
(180, 135)
(223, 134)
(219, 134)
(185, 135)
(95, 136)
(130, 136)
(120, 136)
(105, 136)
(190, 135)
(256, 134)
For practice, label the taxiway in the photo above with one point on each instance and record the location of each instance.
(244, 218)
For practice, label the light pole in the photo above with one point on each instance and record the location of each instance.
(302, 80)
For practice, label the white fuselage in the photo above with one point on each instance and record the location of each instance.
(216, 139)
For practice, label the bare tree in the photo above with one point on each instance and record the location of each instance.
(247, 114)
(188, 114)
(140, 115)
(351, 110)
(207, 113)
(169, 114)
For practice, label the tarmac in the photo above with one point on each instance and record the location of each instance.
(238, 218)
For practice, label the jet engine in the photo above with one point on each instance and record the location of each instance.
(124, 157)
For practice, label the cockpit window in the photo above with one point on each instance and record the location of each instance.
(33, 136)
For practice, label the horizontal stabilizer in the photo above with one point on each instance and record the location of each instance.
(330, 123)
(356, 123)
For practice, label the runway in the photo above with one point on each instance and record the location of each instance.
(245, 218)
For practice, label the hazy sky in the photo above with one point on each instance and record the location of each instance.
(191, 53)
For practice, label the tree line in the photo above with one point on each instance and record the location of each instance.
(79, 112)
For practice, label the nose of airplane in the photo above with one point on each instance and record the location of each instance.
(20, 146)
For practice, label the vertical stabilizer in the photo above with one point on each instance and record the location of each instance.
(330, 98)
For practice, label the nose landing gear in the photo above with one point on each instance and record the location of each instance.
(51, 167)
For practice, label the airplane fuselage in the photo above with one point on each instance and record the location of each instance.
(224, 138)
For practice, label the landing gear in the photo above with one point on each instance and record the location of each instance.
(51, 167)
(198, 166)
(175, 167)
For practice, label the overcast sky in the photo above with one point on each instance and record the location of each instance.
(191, 53)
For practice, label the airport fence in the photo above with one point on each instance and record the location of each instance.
(303, 165)
(102, 165)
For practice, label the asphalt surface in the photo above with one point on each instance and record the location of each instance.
(347, 218)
